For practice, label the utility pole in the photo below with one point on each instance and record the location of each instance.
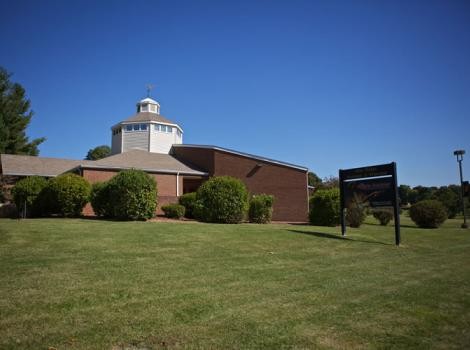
(459, 154)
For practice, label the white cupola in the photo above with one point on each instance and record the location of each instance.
(147, 130)
(148, 105)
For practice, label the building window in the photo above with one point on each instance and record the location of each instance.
(144, 108)
(143, 127)
(136, 127)
(163, 128)
(128, 127)
(178, 132)
(152, 108)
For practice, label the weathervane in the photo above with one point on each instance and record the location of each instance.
(149, 88)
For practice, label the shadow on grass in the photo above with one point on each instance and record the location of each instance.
(332, 236)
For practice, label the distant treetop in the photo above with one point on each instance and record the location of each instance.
(98, 152)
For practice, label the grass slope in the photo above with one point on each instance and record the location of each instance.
(82, 284)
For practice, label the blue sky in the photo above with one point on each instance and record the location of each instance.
(324, 84)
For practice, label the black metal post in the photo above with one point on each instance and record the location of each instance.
(396, 207)
(459, 154)
(341, 205)
(464, 225)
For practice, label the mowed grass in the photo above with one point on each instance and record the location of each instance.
(84, 284)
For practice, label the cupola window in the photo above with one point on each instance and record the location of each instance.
(136, 127)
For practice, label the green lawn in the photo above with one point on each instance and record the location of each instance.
(84, 284)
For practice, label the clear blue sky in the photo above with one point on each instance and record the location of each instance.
(324, 84)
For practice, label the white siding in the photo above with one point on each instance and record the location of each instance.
(116, 142)
(135, 140)
(161, 142)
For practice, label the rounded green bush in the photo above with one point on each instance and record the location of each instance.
(428, 213)
(384, 216)
(188, 201)
(26, 195)
(261, 208)
(66, 195)
(132, 195)
(222, 199)
(100, 199)
(355, 216)
(174, 211)
(325, 208)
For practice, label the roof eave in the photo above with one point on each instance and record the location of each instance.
(149, 170)
(247, 155)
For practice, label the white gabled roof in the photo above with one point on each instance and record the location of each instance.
(148, 100)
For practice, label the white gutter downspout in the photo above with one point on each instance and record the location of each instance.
(177, 184)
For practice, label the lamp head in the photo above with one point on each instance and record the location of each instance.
(459, 152)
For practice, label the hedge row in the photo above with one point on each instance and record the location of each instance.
(225, 199)
(325, 211)
(132, 195)
(64, 195)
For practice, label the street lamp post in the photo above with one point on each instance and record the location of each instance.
(459, 154)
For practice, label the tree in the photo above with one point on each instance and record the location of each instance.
(449, 196)
(313, 179)
(15, 115)
(424, 193)
(330, 182)
(98, 152)
(404, 192)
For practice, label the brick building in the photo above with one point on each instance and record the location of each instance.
(153, 143)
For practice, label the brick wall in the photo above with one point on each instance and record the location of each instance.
(288, 185)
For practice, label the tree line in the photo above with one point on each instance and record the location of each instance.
(449, 195)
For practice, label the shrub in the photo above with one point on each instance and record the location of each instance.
(174, 211)
(198, 210)
(222, 199)
(325, 208)
(261, 208)
(101, 200)
(428, 213)
(26, 195)
(132, 195)
(383, 216)
(188, 200)
(355, 215)
(66, 195)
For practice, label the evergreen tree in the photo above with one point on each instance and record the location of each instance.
(15, 115)
(98, 152)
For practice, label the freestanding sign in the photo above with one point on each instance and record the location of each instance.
(373, 186)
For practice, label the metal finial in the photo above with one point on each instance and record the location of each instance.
(149, 88)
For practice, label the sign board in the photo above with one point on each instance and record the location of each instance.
(369, 171)
(370, 193)
(370, 187)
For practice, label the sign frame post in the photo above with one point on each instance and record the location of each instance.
(387, 173)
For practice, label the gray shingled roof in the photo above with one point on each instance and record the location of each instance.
(19, 165)
(143, 160)
(148, 117)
